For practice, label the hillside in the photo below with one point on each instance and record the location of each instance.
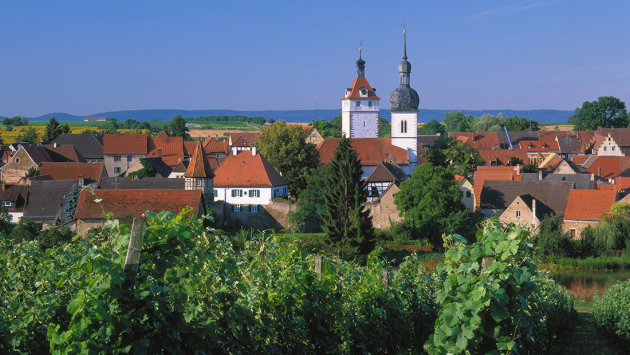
(424, 115)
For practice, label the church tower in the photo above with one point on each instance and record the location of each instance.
(359, 107)
(199, 175)
(404, 103)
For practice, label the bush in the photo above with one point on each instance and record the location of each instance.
(54, 238)
(611, 311)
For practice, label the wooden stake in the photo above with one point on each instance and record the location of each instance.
(385, 278)
(135, 244)
(319, 260)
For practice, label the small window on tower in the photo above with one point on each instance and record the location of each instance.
(370, 103)
(358, 103)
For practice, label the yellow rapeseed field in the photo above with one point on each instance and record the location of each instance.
(11, 136)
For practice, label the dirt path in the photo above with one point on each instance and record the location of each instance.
(585, 339)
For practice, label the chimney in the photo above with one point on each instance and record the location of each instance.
(81, 181)
(55, 145)
(599, 171)
(534, 212)
(539, 175)
(518, 169)
(253, 151)
(234, 151)
(216, 137)
(592, 177)
(159, 152)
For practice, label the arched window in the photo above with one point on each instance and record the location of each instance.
(403, 127)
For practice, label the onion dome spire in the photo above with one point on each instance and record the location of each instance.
(360, 63)
(404, 98)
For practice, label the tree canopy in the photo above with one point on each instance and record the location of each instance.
(431, 128)
(515, 123)
(606, 112)
(54, 129)
(456, 121)
(487, 123)
(178, 128)
(346, 222)
(28, 135)
(463, 158)
(285, 147)
(147, 170)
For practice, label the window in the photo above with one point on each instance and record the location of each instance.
(237, 193)
(358, 103)
(613, 149)
(199, 182)
(8, 203)
(128, 157)
(253, 208)
(116, 170)
(237, 208)
(116, 157)
(284, 191)
(17, 160)
(518, 214)
(188, 183)
(604, 148)
(468, 194)
(403, 126)
(572, 233)
(254, 193)
(370, 103)
(215, 193)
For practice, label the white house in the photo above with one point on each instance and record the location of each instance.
(247, 180)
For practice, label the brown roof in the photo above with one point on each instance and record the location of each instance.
(125, 144)
(189, 147)
(72, 171)
(588, 205)
(245, 169)
(372, 151)
(212, 146)
(135, 202)
(387, 172)
(17, 194)
(172, 149)
(355, 90)
(479, 140)
(493, 173)
(199, 166)
(620, 135)
(243, 139)
(181, 167)
(63, 153)
(37, 155)
(502, 156)
(579, 159)
(539, 146)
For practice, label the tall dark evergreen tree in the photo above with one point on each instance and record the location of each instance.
(346, 222)
(71, 203)
(178, 128)
(53, 129)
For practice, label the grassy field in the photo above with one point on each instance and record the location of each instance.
(70, 123)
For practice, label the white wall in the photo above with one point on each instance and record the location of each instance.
(359, 121)
(266, 194)
(406, 140)
(609, 148)
(364, 125)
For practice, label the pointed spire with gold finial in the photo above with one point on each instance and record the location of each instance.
(199, 167)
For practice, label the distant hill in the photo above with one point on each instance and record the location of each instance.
(424, 115)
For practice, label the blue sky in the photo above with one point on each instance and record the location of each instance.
(84, 57)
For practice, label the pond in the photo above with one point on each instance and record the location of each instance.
(584, 283)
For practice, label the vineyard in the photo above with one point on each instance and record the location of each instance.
(612, 311)
(193, 293)
(83, 124)
(12, 135)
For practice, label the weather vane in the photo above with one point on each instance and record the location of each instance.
(404, 25)
(360, 46)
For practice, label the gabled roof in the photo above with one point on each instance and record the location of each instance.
(518, 136)
(37, 155)
(15, 194)
(385, 172)
(189, 147)
(88, 145)
(427, 139)
(479, 140)
(588, 205)
(172, 149)
(484, 173)
(114, 144)
(500, 194)
(135, 202)
(199, 166)
(245, 169)
(597, 142)
(539, 146)
(63, 153)
(541, 209)
(611, 167)
(355, 90)
(502, 156)
(149, 183)
(579, 159)
(620, 135)
(372, 151)
(550, 163)
(244, 138)
(46, 198)
(181, 167)
(72, 171)
(459, 179)
(570, 145)
(212, 146)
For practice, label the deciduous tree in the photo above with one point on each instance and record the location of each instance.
(178, 128)
(432, 127)
(521, 124)
(607, 111)
(456, 121)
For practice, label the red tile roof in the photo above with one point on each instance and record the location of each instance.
(620, 135)
(610, 167)
(172, 149)
(588, 205)
(459, 179)
(597, 142)
(114, 144)
(372, 151)
(245, 169)
(502, 156)
(579, 159)
(212, 146)
(491, 173)
(189, 147)
(199, 166)
(479, 140)
(355, 90)
(135, 202)
(72, 171)
(242, 139)
(539, 146)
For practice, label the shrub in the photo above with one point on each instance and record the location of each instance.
(611, 311)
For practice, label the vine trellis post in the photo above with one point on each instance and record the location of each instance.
(132, 261)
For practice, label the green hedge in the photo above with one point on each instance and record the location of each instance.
(612, 311)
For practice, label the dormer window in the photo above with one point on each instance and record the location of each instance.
(348, 91)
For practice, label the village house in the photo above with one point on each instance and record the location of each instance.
(502, 157)
(525, 211)
(62, 153)
(25, 158)
(312, 135)
(199, 175)
(614, 142)
(47, 199)
(584, 208)
(501, 173)
(242, 141)
(479, 140)
(89, 172)
(14, 200)
(384, 211)
(90, 146)
(384, 175)
(217, 148)
(371, 151)
(468, 192)
(161, 168)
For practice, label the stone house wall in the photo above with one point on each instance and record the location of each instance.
(576, 227)
(525, 214)
(384, 211)
(17, 167)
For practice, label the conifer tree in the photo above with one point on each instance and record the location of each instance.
(71, 203)
(346, 222)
